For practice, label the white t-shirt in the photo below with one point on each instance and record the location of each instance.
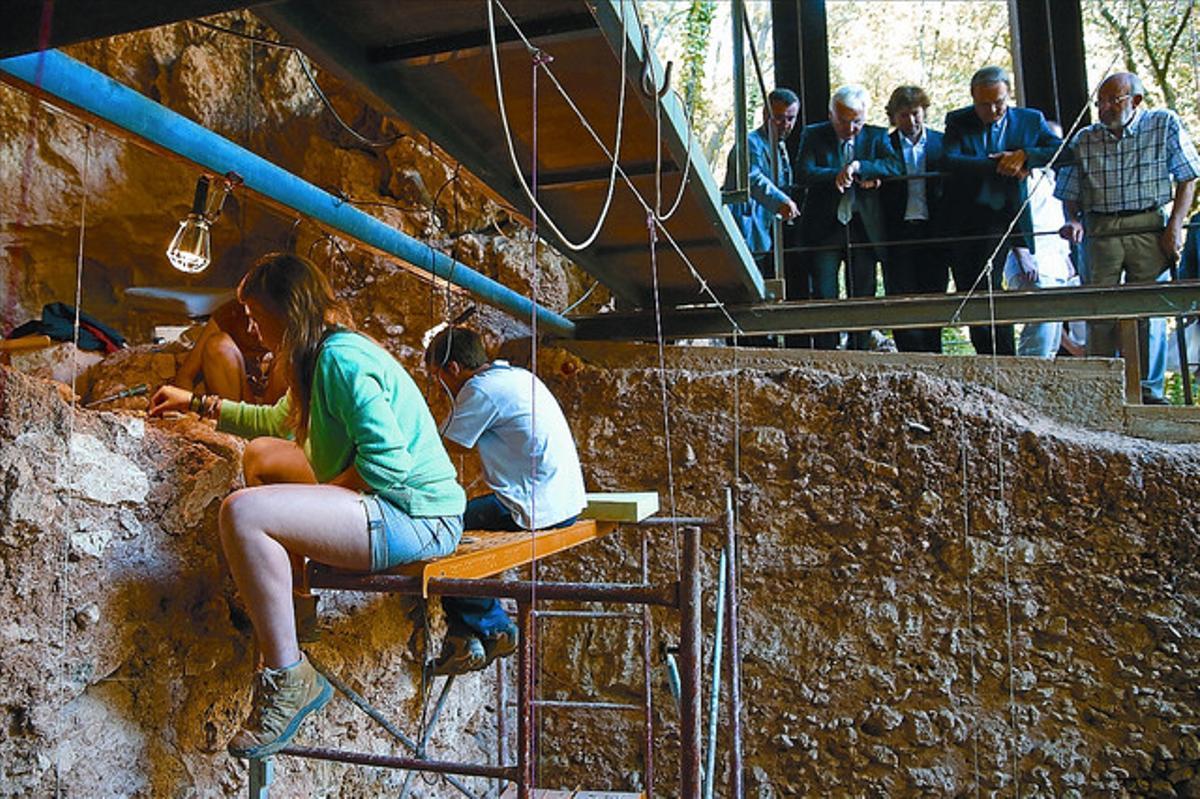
(1052, 253)
(493, 411)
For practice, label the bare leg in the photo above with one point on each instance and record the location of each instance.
(223, 367)
(274, 460)
(260, 525)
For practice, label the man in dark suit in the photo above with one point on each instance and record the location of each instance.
(839, 164)
(912, 211)
(990, 148)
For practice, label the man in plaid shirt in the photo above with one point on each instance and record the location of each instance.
(1114, 193)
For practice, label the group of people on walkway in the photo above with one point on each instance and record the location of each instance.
(997, 188)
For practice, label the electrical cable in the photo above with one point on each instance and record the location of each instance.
(512, 153)
(703, 284)
(307, 69)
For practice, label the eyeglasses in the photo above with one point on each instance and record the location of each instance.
(1103, 101)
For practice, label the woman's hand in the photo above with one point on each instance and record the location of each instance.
(170, 398)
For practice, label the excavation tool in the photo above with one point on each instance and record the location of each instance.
(132, 391)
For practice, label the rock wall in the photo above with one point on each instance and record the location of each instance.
(908, 628)
(127, 655)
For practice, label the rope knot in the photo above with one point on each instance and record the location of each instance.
(541, 58)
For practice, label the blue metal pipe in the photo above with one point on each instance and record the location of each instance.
(56, 75)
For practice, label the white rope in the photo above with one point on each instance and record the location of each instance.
(68, 500)
(512, 153)
(687, 163)
(966, 505)
(651, 225)
(704, 287)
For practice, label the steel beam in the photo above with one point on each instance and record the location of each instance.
(60, 80)
(1129, 301)
(1051, 70)
(420, 49)
(31, 25)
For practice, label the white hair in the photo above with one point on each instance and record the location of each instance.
(851, 96)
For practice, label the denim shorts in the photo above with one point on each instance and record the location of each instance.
(398, 538)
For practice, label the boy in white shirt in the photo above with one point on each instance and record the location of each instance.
(508, 415)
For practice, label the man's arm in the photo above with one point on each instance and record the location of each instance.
(1044, 146)
(1072, 231)
(882, 160)
(763, 188)
(1171, 240)
(954, 158)
(808, 172)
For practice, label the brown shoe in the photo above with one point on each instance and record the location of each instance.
(282, 699)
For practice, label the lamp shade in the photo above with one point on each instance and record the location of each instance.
(191, 247)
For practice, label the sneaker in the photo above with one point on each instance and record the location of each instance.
(460, 654)
(1150, 398)
(282, 699)
(500, 644)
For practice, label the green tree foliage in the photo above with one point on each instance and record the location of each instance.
(695, 55)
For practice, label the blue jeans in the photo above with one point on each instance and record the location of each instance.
(483, 616)
(397, 538)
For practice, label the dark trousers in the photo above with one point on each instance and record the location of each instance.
(860, 270)
(483, 616)
(915, 269)
(970, 259)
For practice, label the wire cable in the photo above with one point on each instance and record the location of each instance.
(308, 73)
(512, 153)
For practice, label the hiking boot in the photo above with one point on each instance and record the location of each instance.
(460, 654)
(500, 644)
(282, 698)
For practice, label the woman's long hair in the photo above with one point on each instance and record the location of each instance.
(294, 290)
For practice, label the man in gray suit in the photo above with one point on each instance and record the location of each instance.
(840, 164)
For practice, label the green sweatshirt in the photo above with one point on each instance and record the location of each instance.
(365, 410)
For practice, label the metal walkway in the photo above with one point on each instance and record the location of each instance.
(430, 62)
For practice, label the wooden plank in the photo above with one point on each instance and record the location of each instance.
(620, 506)
(484, 554)
(1128, 331)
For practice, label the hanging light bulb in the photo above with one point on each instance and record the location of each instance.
(191, 247)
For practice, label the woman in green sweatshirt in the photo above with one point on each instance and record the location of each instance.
(385, 491)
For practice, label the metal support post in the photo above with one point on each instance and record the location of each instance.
(741, 160)
(501, 719)
(525, 731)
(689, 660)
(735, 658)
(262, 771)
(647, 675)
(1185, 369)
(714, 693)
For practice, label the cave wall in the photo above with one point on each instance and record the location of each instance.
(884, 585)
(127, 653)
